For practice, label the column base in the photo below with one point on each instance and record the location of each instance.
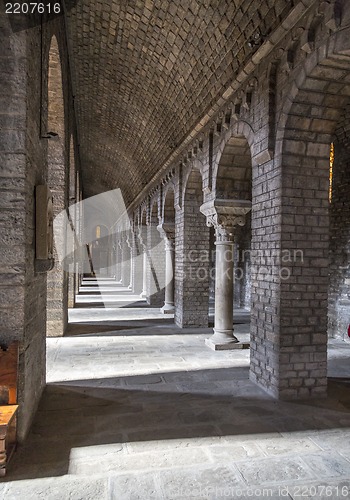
(168, 309)
(224, 340)
(130, 287)
(143, 295)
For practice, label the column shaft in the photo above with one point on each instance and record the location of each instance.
(169, 307)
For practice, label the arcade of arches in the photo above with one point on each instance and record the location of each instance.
(223, 128)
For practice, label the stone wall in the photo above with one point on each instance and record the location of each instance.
(24, 165)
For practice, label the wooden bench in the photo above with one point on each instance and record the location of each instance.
(8, 403)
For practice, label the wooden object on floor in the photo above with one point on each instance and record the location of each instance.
(7, 435)
(8, 406)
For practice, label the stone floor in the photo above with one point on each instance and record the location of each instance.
(136, 408)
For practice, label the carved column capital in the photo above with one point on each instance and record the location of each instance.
(225, 215)
(167, 231)
(129, 237)
(224, 226)
(141, 238)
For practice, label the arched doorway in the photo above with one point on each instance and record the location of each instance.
(191, 256)
(229, 214)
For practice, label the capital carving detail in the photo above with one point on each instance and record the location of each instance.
(167, 231)
(170, 243)
(141, 239)
(225, 215)
(224, 225)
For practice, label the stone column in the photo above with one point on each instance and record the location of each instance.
(224, 215)
(155, 266)
(167, 231)
(129, 243)
(119, 262)
(125, 270)
(143, 247)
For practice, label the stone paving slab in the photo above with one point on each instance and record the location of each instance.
(135, 487)
(257, 472)
(193, 482)
(119, 462)
(58, 488)
(147, 411)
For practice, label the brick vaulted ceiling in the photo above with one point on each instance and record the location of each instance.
(146, 71)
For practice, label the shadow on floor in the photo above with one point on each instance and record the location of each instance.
(112, 327)
(148, 410)
(113, 304)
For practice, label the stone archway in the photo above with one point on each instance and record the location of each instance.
(289, 354)
(229, 213)
(191, 256)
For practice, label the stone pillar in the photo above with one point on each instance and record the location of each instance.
(129, 244)
(137, 262)
(118, 276)
(143, 249)
(167, 231)
(191, 266)
(71, 254)
(155, 266)
(224, 215)
(125, 262)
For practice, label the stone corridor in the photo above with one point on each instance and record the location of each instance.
(174, 188)
(137, 408)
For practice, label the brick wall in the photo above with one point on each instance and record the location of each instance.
(191, 258)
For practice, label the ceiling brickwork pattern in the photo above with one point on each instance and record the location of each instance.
(146, 71)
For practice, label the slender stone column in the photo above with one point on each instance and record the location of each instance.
(224, 215)
(119, 262)
(155, 266)
(167, 231)
(143, 247)
(125, 262)
(130, 246)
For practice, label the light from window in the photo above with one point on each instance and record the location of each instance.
(331, 162)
